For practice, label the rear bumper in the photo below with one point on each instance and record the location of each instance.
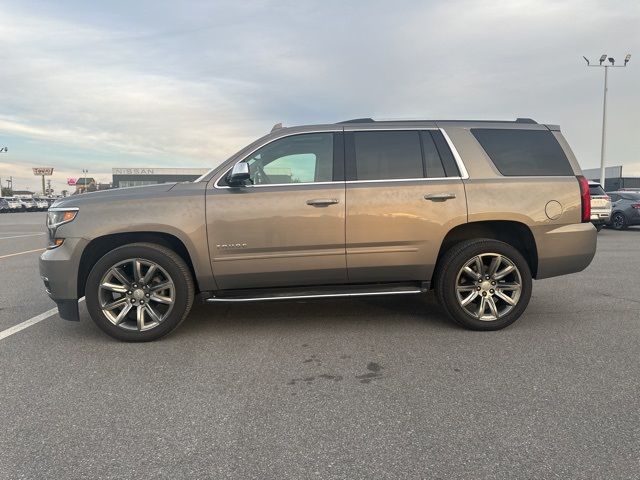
(565, 249)
(600, 217)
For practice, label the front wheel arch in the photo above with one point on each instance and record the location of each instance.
(100, 246)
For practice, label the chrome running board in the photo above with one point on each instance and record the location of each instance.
(260, 295)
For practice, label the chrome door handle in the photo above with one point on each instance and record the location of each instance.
(439, 197)
(322, 202)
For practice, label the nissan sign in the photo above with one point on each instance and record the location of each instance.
(43, 171)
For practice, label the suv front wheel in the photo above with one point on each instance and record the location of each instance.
(484, 284)
(139, 292)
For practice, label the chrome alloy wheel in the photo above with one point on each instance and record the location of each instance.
(136, 294)
(488, 286)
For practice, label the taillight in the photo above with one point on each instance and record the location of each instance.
(635, 205)
(585, 196)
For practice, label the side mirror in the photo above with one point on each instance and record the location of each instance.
(239, 174)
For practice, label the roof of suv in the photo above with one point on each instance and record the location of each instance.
(370, 123)
(371, 120)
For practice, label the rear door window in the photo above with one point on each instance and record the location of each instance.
(524, 152)
(388, 155)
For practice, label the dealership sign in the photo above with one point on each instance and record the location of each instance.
(133, 171)
(72, 181)
(43, 171)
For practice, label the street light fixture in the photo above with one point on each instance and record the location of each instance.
(604, 106)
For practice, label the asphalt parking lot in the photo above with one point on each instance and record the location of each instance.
(357, 388)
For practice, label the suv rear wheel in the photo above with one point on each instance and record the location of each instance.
(139, 292)
(484, 284)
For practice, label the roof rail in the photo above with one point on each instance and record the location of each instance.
(358, 120)
(371, 120)
(277, 126)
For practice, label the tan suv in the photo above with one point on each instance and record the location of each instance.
(472, 209)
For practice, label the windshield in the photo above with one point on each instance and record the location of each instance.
(596, 190)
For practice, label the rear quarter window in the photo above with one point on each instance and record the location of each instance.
(523, 152)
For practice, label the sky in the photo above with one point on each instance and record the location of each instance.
(152, 83)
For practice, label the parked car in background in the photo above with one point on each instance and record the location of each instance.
(28, 204)
(625, 209)
(600, 205)
(15, 205)
(41, 204)
(340, 210)
(4, 206)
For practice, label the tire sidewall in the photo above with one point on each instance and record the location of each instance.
(181, 286)
(450, 274)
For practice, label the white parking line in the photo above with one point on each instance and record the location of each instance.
(32, 321)
(22, 236)
(28, 323)
(22, 253)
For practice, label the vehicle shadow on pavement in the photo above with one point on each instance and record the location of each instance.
(346, 313)
(314, 313)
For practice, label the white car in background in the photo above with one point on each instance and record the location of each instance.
(28, 204)
(15, 205)
(41, 204)
(600, 205)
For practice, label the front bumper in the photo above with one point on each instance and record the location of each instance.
(59, 271)
(565, 249)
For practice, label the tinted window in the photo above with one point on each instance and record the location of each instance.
(434, 166)
(524, 152)
(630, 196)
(596, 190)
(449, 163)
(303, 158)
(388, 155)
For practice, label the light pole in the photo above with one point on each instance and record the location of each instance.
(84, 183)
(3, 150)
(604, 105)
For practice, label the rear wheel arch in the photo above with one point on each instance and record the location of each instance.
(516, 234)
(100, 246)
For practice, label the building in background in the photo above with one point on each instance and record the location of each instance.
(135, 177)
(23, 194)
(614, 180)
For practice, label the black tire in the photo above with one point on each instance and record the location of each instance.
(451, 264)
(171, 262)
(619, 221)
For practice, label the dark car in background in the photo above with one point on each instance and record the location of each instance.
(625, 209)
(4, 206)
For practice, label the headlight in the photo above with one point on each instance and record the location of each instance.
(61, 215)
